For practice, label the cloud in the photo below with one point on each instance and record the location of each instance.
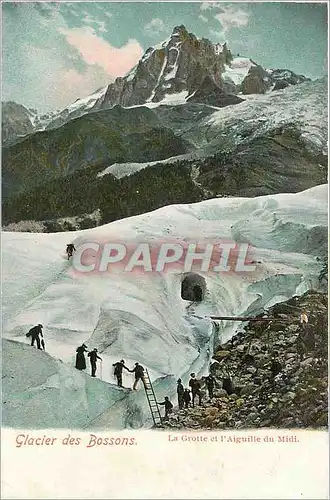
(203, 18)
(231, 16)
(61, 84)
(96, 51)
(100, 25)
(210, 5)
(74, 84)
(154, 27)
(219, 36)
(228, 15)
(67, 62)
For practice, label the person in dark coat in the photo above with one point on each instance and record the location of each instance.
(80, 357)
(70, 248)
(168, 407)
(210, 382)
(34, 334)
(195, 389)
(275, 367)
(227, 385)
(186, 398)
(138, 370)
(93, 356)
(180, 391)
(118, 372)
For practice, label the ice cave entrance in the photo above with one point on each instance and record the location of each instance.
(193, 287)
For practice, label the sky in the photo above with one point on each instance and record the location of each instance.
(56, 52)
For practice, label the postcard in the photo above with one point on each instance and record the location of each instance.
(164, 250)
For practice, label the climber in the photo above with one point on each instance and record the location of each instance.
(34, 334)
(210, 382)
(93, 356)
(195, 389)
(275, 366)
(139, 374)
(168, 407)
(118, 372)
(227, 385)
(70, 248)
(186, 398)
(305, 342)
(180, 391)
(309, 339)
(80, 357)
(304, 320)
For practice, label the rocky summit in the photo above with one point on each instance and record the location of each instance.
(183, 64)
(278, 369)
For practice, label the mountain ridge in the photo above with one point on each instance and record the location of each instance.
(177, 65)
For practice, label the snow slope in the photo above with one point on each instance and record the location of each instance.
(141, 317)
(304, 106)
(237, 70)
(120, 170)
(85, 103)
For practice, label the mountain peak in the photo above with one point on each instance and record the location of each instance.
(180, 30)
(179, 66)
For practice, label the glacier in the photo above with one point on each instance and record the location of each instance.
(142, 317)
(301, 107)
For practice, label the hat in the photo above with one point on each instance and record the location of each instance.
(179, 379)
(122, 361)
(136, 363)
(40, 325)
(84, 345)
(95, 349)
(192, 375)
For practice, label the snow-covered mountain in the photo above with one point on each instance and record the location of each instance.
(181, 64)
(302, 108)
(142, 317)
(78, 108)
(182, 67)
(19, 121)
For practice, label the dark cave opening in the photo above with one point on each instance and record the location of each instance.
(193, 288)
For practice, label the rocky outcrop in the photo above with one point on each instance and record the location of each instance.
(210, 93)
(290, 394)
(181, 63)
(256, 82)
(16, 122)
(283, 78)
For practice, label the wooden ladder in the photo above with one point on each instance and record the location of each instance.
(151, 397)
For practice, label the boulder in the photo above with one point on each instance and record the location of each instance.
(248, 389)
(222, 354)
(220, 393)
(255, 82)
(212, 410)
(210, 93)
